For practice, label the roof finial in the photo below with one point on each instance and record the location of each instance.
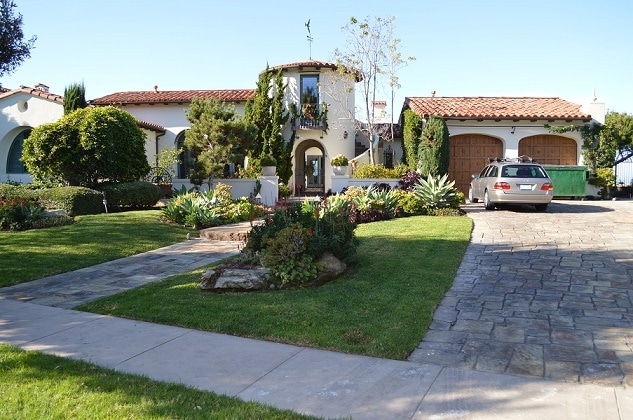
(594, 95)
(310, 39)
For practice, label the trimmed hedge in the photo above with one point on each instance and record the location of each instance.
(139, 194)
(74, 201)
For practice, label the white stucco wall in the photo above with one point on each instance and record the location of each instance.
(333, 90)
(19, 112)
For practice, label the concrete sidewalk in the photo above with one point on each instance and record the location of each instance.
(317, 382)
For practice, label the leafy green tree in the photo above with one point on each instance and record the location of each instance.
(74, 97)
(604, 145)
(619, 134)
(87, 147)
(13, 49)
(434, 148)
(217, 137)
(411, 136)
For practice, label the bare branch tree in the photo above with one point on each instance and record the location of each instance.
(372, 52)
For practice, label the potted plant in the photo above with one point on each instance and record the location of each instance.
(339, 164)
(269, 165)
(164, 171)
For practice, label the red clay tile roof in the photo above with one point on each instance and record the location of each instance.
(35, 92)
(311, 63)
(173, 96)
(150, 126)
(495, 108)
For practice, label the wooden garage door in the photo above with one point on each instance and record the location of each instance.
(550, 149)
(469, 154)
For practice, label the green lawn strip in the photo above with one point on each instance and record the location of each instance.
(94, 239)
(40, 386)
(382, 307)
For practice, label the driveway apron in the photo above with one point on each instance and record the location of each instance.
(542, 294)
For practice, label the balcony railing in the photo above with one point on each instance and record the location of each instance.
(299, 123)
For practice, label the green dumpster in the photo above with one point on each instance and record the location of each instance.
(568, 180)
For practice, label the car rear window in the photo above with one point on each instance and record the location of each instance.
(523, 171)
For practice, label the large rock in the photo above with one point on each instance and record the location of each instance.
(329, 268)
(235, 279)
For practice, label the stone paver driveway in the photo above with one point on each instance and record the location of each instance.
(542, 294)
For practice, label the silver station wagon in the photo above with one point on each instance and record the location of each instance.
(518, 181)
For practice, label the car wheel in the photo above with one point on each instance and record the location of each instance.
(541, 207)
(470, 195)
(487, 204)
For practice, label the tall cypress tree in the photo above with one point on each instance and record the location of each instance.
(268, 114)
(278, 146)
(74, 97)
(257, 112)
(434, 148)
(411, 135)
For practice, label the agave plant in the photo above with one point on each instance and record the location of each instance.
(382, 199)
(436, 192)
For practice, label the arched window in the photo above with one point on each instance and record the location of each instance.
(186, 157)
(14, 162)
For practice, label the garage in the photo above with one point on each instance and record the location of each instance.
(550, 149)
(469, 153)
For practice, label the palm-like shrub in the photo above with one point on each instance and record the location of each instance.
(436, 192)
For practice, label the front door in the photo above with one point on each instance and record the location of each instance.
(314, 172)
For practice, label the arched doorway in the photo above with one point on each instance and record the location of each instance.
(550, 149)
(469, 153)
(309, 168)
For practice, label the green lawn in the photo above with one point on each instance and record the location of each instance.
(39, 386)
(382, 307)
(94, 239)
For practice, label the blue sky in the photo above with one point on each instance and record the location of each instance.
(560, 48)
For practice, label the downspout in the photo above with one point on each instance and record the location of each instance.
(156, 140)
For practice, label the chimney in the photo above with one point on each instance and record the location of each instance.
(155, 88)
(380, 111)
(42, 87)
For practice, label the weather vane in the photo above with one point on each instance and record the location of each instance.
(309, 37)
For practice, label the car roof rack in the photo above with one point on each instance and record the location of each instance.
(520, 159)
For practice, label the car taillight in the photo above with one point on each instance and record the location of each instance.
(501, 186)
(548, 186)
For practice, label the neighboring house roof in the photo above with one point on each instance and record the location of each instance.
(384, 131)
(487, 108)
(4, 93)
(34, 92)
(173, 96)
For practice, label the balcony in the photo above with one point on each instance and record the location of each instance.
(311, 117)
